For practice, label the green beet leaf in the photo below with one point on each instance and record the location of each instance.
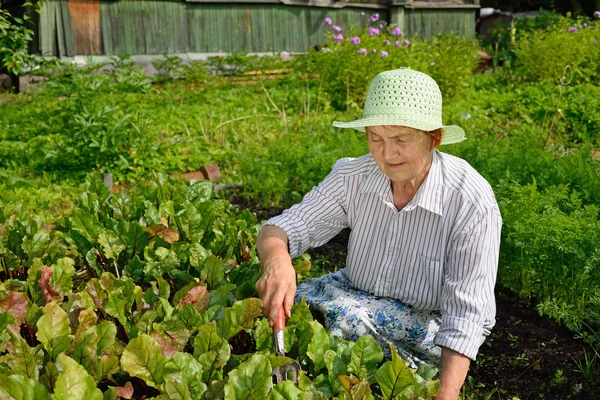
(221, 295)
(190, 317)
(22, 359)
(35, 245)
(212, 271)
(112, 245)
(86, 226)
(216, 390)
(5, 320)
(299, 326)
(73, 382)
(134, 236)
(214, 314)
(323, 386)
(240, 316)
(106, 332)
(319, 344)
(198, 255)
(394, 376)
(62, 276)
(356, 389)
(107, 365)
(189, 223)
(176, 387)
(134, 269)
(263, 335)
(335, 367)
(53, 330)
(143, 358)
(151, 215)
(427, 371)
(191, 370)
(200, 192)
(85, 350)
(18, 387)
(210, 350)
(116, 307)
(285, 390)
(213, 360)
(251, 380)
(87, 319)
(365, 356)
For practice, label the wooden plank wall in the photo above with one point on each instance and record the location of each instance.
(136, 27)
(85, 19)
(429, 22)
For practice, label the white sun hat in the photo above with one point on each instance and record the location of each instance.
(405, 97)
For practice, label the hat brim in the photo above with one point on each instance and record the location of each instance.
(452, 133)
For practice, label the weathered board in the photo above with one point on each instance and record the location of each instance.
(85, 18)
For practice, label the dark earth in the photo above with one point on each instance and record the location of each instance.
(526, 357)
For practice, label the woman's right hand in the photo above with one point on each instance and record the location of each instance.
(277, 285)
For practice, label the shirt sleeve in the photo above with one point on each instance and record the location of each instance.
(468, 302)
(320, 216)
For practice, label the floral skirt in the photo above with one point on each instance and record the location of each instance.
(351, 313)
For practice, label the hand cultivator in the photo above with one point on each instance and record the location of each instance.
(283, 372)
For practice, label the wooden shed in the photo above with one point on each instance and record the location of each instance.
(140, 27)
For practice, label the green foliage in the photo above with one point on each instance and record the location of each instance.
(543, 54)
(15, 36)
(169, 68)
(236, 64)
(503, 36)
(344, 72)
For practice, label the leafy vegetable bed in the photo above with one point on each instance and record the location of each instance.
(150, 294)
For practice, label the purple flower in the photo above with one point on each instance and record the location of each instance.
(327, 21)
(362, 13)
(362, 51)
(374, 50)
(396, 31)
(381, 26)
(373, 31)
(383, 54)
(355, 40)
(338, 38)
(572, 29)
(374, 17)
(336, 28)
(597, 14)
(398, 43)
(407, 42)
(386, 42)
(585, 24)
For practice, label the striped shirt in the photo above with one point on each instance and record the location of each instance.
(440, 252)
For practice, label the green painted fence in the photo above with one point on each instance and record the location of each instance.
(133, 27)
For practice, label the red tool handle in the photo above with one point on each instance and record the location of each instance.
(280, 323)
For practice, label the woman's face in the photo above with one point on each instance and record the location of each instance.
(402, 153)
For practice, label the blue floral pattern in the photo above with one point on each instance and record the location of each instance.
(351, 313)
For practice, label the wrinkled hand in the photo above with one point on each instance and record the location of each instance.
(277, 286)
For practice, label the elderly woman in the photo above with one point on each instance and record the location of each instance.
(425, 236)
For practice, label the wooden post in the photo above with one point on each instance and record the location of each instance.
(108, 182)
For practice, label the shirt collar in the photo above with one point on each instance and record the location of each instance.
(429, 196)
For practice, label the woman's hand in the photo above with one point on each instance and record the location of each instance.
(277, 285)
